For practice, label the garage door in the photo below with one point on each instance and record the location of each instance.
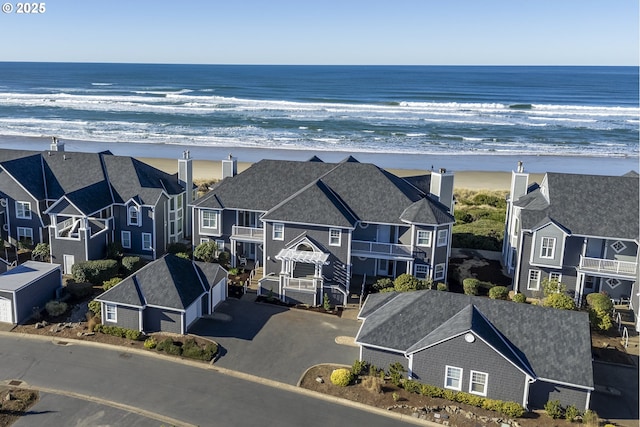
(6, 310)
(217, 294)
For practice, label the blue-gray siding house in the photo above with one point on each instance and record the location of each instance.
(167, 295)
(26, 289)
(496, 349)
(312, 226)
(581, 230)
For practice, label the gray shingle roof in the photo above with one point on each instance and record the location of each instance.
(170, 282)
(426, 211)
(590, 205)
(551, 342)
(25, 167)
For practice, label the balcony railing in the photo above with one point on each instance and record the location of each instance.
(248, 233)
(608, 266)
(390, 249)
(300, 283)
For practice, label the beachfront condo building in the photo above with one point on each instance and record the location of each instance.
(316, 228)
(578, 230)
(79, 203)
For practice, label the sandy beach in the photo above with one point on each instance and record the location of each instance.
(491, 172)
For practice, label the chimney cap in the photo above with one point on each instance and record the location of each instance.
(443, 170)
(520, 166)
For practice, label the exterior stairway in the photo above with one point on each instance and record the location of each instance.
(253, 283)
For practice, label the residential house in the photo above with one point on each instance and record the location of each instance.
(167, 295)
(81, 202)
(581, 230)
(25, 289)
(313, 226)
(491, 348)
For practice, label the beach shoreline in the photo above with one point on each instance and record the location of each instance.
(482, 171)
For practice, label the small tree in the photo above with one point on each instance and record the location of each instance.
(41, 252)
(206, 251)
(326, 303)
(552, 286)
(406, 283)
(561, 301)
(600, 309)
(382, 283)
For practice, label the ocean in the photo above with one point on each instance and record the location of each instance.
(398, 110)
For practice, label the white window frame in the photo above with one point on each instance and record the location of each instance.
(110, 313)
(211, 221)
(536, 279)
(278, 231)
(335, 240)
(204, 240)
(137, 215)
(424, 236)
(618, 246)
(23, 210)
(26, 232)
(443, 237)
(438, 271)
(548, 247)
(421, 269)
(554, 275)
(150, 238)
(219, 246)
(447, 375)
(484, 383)
(125, 236)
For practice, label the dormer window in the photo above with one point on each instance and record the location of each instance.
(133, 217)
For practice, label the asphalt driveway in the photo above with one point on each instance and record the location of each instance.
(275, 342)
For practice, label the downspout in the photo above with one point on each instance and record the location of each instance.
(588, 400)
(409, 366)
(525, 398)
(516, 276)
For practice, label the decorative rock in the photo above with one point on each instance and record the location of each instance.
(319, 380)
(38, 325)
(80, 334)
(8, 397)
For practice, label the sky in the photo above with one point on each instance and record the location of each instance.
(399, 32)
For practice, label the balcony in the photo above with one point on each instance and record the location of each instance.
(380, 250)
(608, 267)
(247, 234)
(301, 284)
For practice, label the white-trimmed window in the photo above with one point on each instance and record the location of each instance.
(453, 378)
(424, 237)
(335, 237)
(547, 249)
(146, 242)
(478, 383)
(110, 313)
(23, 210)
(421, 271)
(133, 215)
(438, 272)
(209, 219)
(442, 237)
(125, 239)
(554, 275)
(278, 231)
(618, 246)
(219, 246)
(204, 240)
(533, 284)
(25, 234)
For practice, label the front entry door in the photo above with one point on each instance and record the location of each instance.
(68, 261)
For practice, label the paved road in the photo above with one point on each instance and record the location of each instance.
(280, 344)
(623, 410)
(191, 394)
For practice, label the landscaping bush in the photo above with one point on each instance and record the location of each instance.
(358, 367)
(449, 395)
(192, 350)
(56, 308)
(108, 284)
(183, 255)
(117, 331)
(571, 413)
(431, 390)
(553, 409)
(224, 258)
(177, 247)
(442, 287)
(470, 286)
(512, 409)
(169, 347)
(411, 386)
(206, 251)
(150, 343)
(94, 306)
(406, 283)
(600, 309)
(499, 292)
(341, 377)
(519, 298)
(490, 200)
(131, 264)
(396, 371)
(95, 272)
(590, 418)
(41, 252)
(382, 283)
(560, 301)
(80, 291)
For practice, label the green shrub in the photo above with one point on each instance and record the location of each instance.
(600, 309)
(553, 409)
(131, 264)
(95, 272)
(512, 409)
(552, 286)
(169, 347)
(449, 395)
(470, 286)
(490, 200)
(132, 334)
(382, 283)
(395, 396)
(406, 283)
(224, 257)
(358, 367)
(56, 308)
(560, 301)
(326, 304)
(341, 377)
(571, 413)
(590, 418)
(117, 331)
(94, 306)
(41, 252)
(108, 284)
(469, 399)
(442, 287)
(396, 371)
(519, 298)
(177, 247)
(431, 390)
(150, 343)
(80, 290)
(183, 255)
(492, 405)
(411, 386)
(206, 251)
(499, 292)
(462, 217)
